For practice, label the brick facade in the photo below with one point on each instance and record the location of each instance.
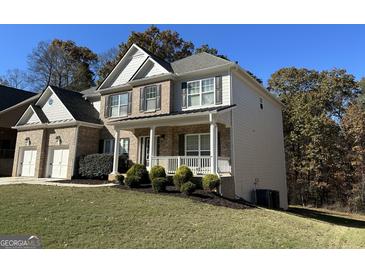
(79, 141)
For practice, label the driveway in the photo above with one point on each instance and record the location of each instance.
(42, 181)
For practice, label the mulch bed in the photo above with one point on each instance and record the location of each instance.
(83, 182)
(198, 196)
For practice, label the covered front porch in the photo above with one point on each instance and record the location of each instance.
(201, 141)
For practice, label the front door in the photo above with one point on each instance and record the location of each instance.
(58, 164)
(28, 163)
(144, 149)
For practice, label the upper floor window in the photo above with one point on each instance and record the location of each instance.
(200, 92)
(150, 98)
(118, 105)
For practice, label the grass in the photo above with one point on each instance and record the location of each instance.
(66, 217)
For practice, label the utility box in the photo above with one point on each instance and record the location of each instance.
(267, 198)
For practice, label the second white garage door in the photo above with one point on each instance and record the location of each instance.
(58, 164)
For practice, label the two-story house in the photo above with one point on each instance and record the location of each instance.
(201, 111)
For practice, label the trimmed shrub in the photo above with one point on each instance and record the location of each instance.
(119, 178)
(139, 171)
(159, 184)
(157, 172)
(133, 181)
(183, 175)
(96, 166)
(187, 188)
(211, 182)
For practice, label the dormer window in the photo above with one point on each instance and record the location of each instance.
(200, 92)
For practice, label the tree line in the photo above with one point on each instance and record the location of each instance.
(324, 131)
(323, 117)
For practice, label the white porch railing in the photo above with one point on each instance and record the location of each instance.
(224, 165)
(199, 165)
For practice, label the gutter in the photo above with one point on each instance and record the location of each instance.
(57, 125)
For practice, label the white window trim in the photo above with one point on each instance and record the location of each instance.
(199, 144)
(119, 105)
(151, 99)
(200, 93)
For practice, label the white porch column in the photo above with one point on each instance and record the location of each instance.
(116, 151)
(213, 144)
(152, 146)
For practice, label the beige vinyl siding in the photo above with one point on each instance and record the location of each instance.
(132, 65)
(155, 70)
(33, 119)
(258, 143)
(56, 111)
(96, 105)
(226, 100)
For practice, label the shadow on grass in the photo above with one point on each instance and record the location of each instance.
(326, 217)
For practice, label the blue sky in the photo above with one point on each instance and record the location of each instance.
(262, 49)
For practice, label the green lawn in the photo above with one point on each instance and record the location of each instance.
(114, 218)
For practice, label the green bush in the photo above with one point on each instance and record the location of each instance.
(157, 172)
(119, 178)
(211, 182)
(187, 188)
(99, 166)
(159, 184)
(96, 166)
(183, 175)
(140, 171)
(133, 181)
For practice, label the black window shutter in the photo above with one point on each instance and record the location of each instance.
(101, 146)
(158, 140)
(184, 94)
(129, 102)
(218, 90)
(158, 97)
(141, 100)
(181, 144)
(219, 145)
(107, 107)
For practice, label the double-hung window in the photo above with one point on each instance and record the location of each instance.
(151, 97)
(118, 105)
(197, 144)
(200, 92)
(108, 147)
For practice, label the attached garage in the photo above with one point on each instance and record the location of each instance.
(58, 163)
(27, 164)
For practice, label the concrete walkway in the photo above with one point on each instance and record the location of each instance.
(43, 181)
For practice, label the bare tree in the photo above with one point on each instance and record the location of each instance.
(15, 78)
(61, 63)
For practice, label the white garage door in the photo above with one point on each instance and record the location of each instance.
(59, 160)
(28, 163)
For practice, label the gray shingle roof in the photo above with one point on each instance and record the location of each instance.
(12, 96)
(79, 108)
(198, 61)
(185, 112)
